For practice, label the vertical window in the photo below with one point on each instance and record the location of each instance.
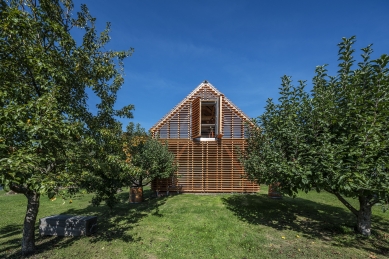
(208, 119)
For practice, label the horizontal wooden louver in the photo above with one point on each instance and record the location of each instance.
(206, 166)
(196, 118)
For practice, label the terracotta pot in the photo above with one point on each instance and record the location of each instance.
(136, 194)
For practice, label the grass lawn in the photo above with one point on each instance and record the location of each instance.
(203, 226)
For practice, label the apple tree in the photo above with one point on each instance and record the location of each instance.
(150, 158)
(45, 73)
(335, 138)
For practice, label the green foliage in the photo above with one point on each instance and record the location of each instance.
(106, 169)
(44, 76)
(152, 158)
(48, 138)
(275, 148)
(336, 139)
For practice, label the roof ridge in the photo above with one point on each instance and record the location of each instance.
(180, 103)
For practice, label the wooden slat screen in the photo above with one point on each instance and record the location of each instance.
(207, 166)
(196, 114)
(233, 125)
(185, 123)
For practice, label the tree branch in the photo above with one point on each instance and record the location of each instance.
(134, 182)
(37, 89)
(18, 188)
(372, 202)
(146, 183)
(346, 203)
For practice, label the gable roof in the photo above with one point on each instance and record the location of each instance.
(204, 84)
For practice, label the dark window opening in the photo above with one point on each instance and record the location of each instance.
(208, 119)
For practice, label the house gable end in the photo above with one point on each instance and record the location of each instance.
(203, 132)
(177, 124)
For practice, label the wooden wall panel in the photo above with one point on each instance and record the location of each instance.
(185, 122)
(196, 114)
(207, 166)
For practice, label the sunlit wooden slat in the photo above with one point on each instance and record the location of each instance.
(204, 166)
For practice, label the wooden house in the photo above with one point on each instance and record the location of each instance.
(204, 132)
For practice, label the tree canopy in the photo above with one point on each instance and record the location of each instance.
(47, 133)
(151, 158)
(335, 138)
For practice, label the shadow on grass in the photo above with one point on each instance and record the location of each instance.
(311, 219)
(112, 225)
(7, 233)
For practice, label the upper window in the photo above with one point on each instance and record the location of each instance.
(206, 119)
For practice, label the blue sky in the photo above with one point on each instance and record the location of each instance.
(241, 47)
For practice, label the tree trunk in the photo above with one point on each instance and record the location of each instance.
(273, 191)
(364, 216)
(28, 240)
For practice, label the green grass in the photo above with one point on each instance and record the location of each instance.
(203, 226)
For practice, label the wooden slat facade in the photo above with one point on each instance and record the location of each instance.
(196, 113)
(204, 166)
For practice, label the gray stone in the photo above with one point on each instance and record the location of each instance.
(67, 225)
